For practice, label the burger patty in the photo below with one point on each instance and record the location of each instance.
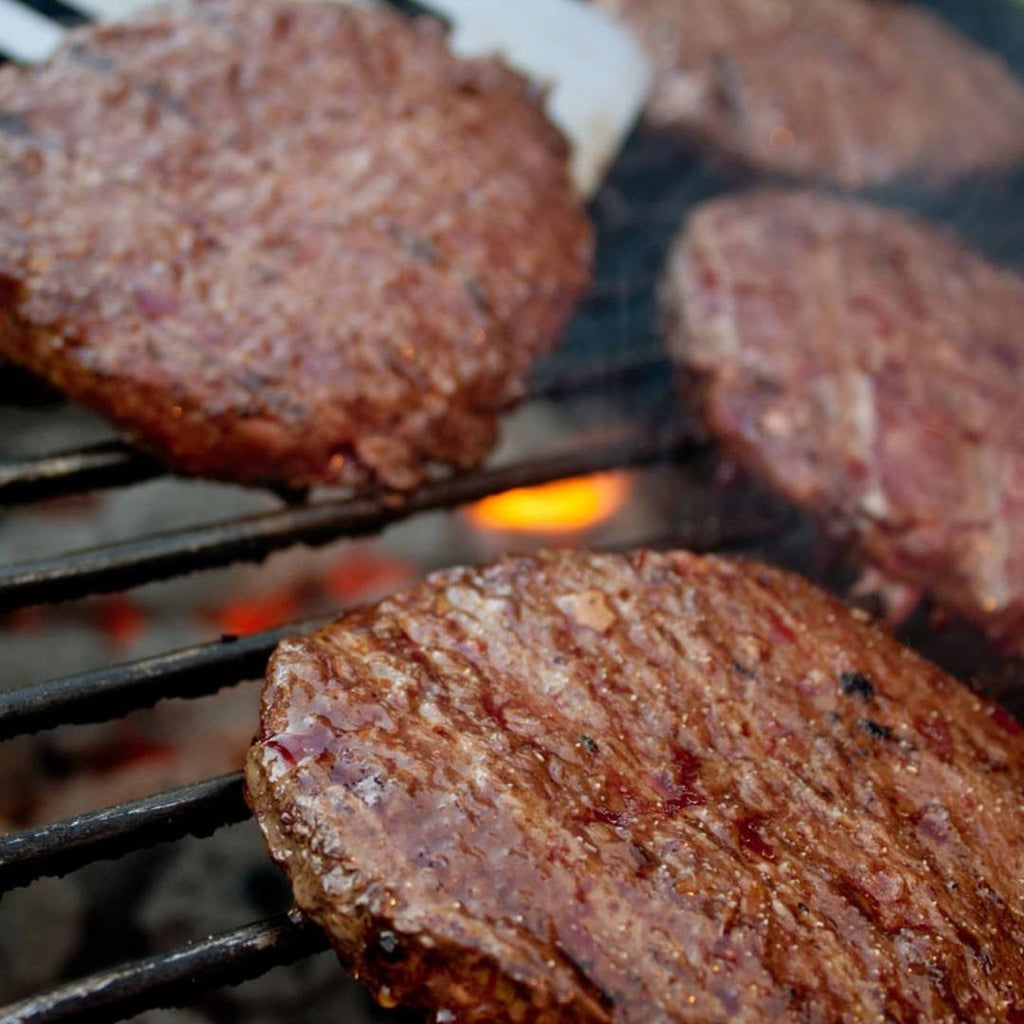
(645, 788)
(852, 91)
(871, 367)
(284, 241)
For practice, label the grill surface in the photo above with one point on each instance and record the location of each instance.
(611, 352)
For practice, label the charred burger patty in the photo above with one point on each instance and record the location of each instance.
(284, 241)
(655, 787)
(853, 91)
(871, 367)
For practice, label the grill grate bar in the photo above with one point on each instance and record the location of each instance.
(117, 464)
(252, 538)
(176, 978)
(198, 809)
(110, 464)
(101, 694)
(202, 807)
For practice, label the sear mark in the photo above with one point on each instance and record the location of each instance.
(856, 684)
(874, 729)
(417, 246)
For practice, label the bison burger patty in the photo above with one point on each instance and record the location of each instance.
(872, 368)
(284, 241)
(645, 788)
(853, 91)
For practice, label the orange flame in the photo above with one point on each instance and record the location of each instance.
(564, 506)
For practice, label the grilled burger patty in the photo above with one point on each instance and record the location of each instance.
(284, 241)
(645, 788)
(871, 367)
(852, 91)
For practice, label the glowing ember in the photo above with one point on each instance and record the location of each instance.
(240, 618)
(120, 619)
(364, 575)
(564, 506)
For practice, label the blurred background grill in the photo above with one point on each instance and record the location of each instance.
(86, 518)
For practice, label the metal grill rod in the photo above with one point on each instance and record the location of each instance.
(105, 693)
(117, 464)
(109, 692)
(109, 464)
(176, 978)
(198, 809)
(252, 538)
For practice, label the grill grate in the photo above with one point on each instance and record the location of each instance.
(107, 693)
(636, 215)
(252, 538)
(197, 809)
(116, 464)
(172, 978)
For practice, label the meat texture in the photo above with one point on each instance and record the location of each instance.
(871, 367)
(284, 241)
(852, 91)
(645, 788)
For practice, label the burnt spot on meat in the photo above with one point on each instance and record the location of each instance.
(742, 670)
(475, 290)
(14, 125)
(874, 729)
(81, 54)
(417, 246)
(588, 744)
(166, 100)
(647, 861)
(389, 947)
(10, 289)
(856, 683)
(584, 971)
